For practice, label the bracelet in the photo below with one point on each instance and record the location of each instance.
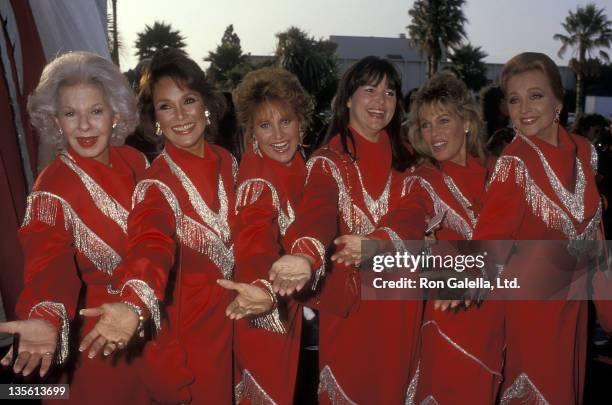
(138, 311)
(267, 288)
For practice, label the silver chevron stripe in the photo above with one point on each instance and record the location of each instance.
(249, 389)
(524, 390)
(452, 219)
(105, 203)
(103, 257)
(253, 188)
(190, 232)
(328, 384)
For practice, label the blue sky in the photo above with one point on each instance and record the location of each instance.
(502, 28)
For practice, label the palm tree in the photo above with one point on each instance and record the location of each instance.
(436, 25)
(159, 36)
(468, 65)
(588, 29)
(113, 34)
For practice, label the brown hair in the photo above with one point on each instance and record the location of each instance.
(528, 61)
(450, 93)
(270, 85)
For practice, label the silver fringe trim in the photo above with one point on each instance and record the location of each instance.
(452, 219)
(461, 199)
(523, 389)
(217, 221)
(355, 219)
(103, 257)
(147, 296)
(461, 349)
(412, 387)
(234, 169)
(398, 243)
(190, 232)
(541, 206)
(250, 190)
(59, 310)
(105, 203)
(329, 384)
(248, 388)
(270, 321)
(379, 207)
(574, 202)
(319, 250)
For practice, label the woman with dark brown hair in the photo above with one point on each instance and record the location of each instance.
(366, 347)
(179, 235)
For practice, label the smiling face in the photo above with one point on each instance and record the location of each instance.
(180, 113)
(532, 105)
(444, 133)
(86, 120)
(277, 131)
(371, 108)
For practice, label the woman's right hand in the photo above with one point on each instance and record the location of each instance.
(37, 344)
(290, 273)
(250, 300)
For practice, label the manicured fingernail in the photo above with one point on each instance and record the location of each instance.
(81, 348)
(91, 355)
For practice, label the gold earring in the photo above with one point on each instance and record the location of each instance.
(158, 130)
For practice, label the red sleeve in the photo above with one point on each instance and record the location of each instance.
(52, 285)
(151, 251)
(256, 234)
(316, 218)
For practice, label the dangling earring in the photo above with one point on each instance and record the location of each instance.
(207, 116)
(114, 125)
(557, 115)
(59, 130)
(158, 130)
(467, 132)
(256, 147)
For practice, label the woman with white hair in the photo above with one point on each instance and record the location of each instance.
(74, 231)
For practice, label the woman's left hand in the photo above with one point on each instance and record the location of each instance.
(250, 300)
(351, 253)
(114, 329)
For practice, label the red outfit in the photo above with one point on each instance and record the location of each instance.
(367, 348)
(461, 352)
(267, 347)
(179, 231)
(542, 192)
(74, 234)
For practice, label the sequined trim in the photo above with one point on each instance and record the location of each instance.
(461, 199)
(190, 232)
(355, 219)
(452, 219)
(314, 248)
(379, 207)
(250, 190)
(461, 349)
(429, 400)
(147, 296)
(270, 321)
(524, 390)
(574, 202)
(248, 388)
(329, 384)
(412, 387)
(105, 203)
(146, 161)
(398, 243)
(541, 205)
(234, 169)
(101, 255)
(216, 221)
(594, 159)
(59, 310)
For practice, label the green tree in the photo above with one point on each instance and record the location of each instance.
(587, 30)
(314, 63)
(468, 65)
(227, 63)
(156, 37)
(436, 26)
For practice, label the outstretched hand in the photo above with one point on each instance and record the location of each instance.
(250, 300)
(114, 329)
(37, 344)
(351, 252)
(290, 274)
